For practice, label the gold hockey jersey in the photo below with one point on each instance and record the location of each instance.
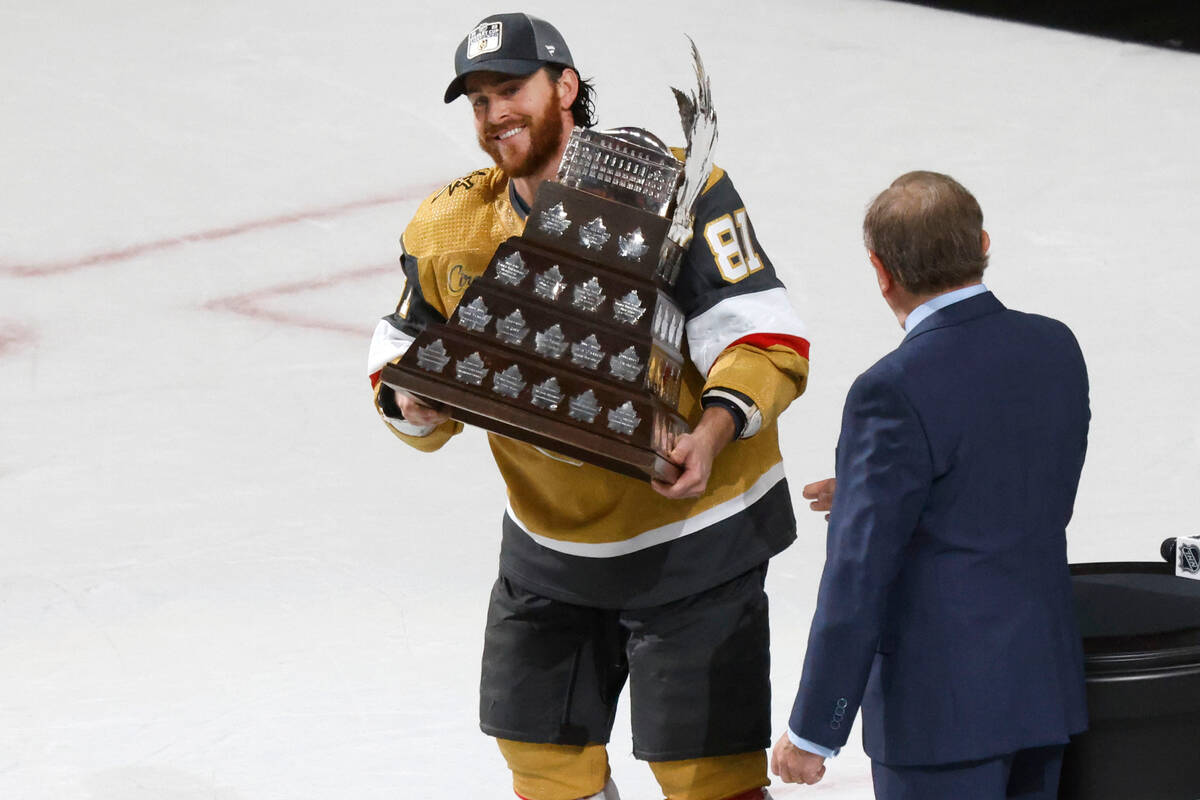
(582, 533)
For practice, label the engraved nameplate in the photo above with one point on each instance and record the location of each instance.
(511, 270)
(624, 419)
(511, 329)
(509, 382)
(547, 394)
(594, 235)
(587, 353)
(474, 317)
(554, 220)
(584, 407)
(549, 284)
(626, 365)
(433, 356)
(471, 370)
(588, 296)
(551, 342)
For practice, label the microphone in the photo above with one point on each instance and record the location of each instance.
(1167, 550)
(1184, 553)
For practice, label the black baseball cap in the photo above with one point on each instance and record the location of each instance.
(512, 44)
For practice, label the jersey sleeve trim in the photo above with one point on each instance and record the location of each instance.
(767, 314)
(764, 341)
(747, 417)
(387, 344)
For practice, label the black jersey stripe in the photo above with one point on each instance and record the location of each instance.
(658, 574)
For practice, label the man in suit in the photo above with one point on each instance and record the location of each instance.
(945, 606)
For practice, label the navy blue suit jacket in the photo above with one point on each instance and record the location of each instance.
(945, 606)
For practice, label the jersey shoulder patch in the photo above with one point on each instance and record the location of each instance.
(466, 204)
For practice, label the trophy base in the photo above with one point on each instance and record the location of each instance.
(525, 426)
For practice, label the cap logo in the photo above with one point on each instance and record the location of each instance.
(485, 38)
(550, 49)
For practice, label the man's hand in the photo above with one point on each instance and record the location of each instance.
(794, 765)
(821, 494)
(419, 413)
(696, 451)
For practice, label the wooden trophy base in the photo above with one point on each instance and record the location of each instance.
(527, 426)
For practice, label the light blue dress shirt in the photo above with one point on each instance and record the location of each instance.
(922, 311)
(914, 319)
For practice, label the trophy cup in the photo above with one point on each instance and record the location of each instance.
(570, 339)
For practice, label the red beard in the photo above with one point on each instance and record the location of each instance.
(545, 139)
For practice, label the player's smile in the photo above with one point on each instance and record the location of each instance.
(508, 139)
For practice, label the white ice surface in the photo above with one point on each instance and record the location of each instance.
(222, 578)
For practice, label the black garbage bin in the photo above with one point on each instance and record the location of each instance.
(1141, 641)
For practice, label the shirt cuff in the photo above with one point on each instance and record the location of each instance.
(812, 747)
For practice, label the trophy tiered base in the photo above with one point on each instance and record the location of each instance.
(570, 340)
(554, 435)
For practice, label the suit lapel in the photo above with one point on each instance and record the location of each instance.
(957, 313)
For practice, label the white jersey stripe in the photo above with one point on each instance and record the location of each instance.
(667, 533)
(387, 345)
(767, 312)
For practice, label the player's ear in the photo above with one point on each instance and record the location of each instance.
(987, 242)
(567, 88)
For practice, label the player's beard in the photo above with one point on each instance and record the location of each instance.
(545, 139)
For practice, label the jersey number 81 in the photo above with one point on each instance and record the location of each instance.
(729, 240)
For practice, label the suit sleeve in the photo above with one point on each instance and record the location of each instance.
(884, 473)
(394, 334)
(742, 331)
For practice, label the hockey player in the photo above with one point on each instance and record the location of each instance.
(605, 578)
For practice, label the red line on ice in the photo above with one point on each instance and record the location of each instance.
(135, 250)
(13, 337)
(249, 304)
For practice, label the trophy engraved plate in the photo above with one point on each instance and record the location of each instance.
(594, 235)
(512, 329)
(632, 246)
(474, 316)
(589, 296)
(550, 284)
(433, 356)
(551, 342)
(571, 340)
(511, 270)
(508, 382)
(629, 309)
(626, 365)
(624, 419)
(471, 370)
(587, 353)
(584, 406)
(554, 221)
(547, 394)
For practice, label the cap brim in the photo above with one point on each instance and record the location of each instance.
(510, 66)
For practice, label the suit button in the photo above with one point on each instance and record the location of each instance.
(835, 724)
(841, 703)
